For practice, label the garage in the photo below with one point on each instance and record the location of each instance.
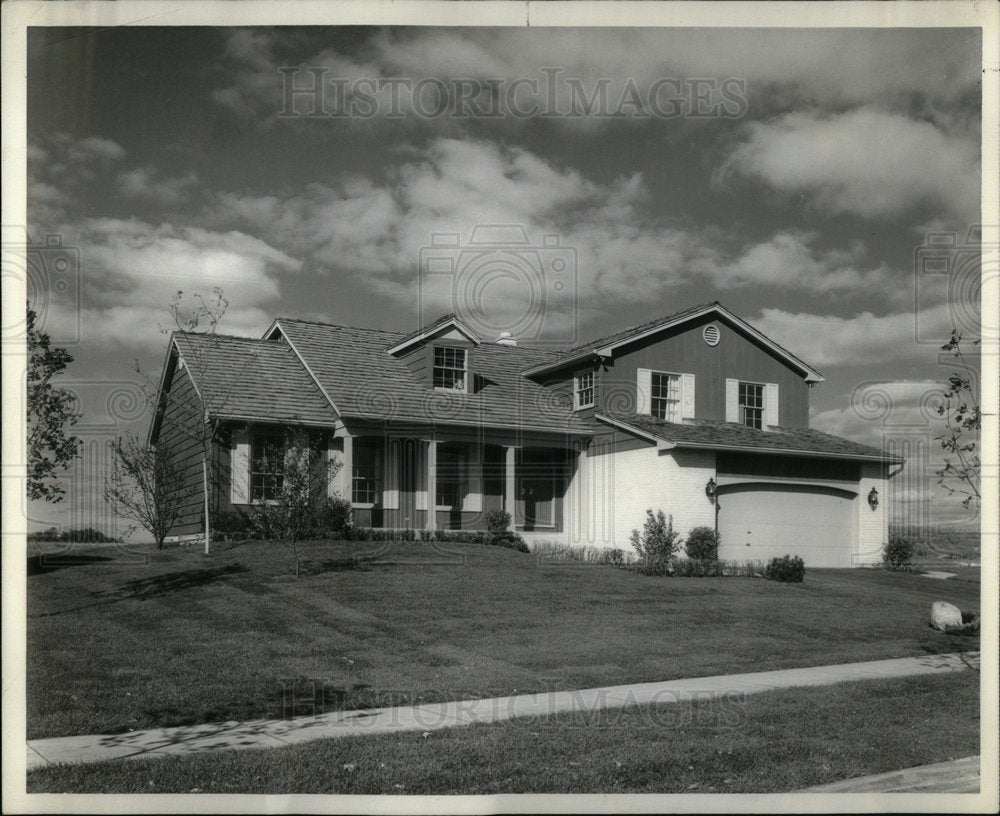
(761, 520)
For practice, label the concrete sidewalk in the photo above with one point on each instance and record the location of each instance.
(335, 724)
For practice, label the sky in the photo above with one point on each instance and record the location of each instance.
(792, 174)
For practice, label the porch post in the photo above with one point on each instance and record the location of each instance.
(342, 450)
(510, 483)
(432, 484)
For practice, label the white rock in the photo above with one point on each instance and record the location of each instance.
(945, 615)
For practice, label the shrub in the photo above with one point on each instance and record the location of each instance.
(231, 525)
(497, 521)
(656, 544)
(788, 568)
(898, 553)
(702, 544)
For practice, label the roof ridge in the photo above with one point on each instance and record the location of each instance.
(217, 335)
(335, 325)
(643, 324)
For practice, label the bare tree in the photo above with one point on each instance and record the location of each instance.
(145, 486)
(960, 474)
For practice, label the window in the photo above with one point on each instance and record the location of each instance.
(452, 476)
(583, 390)
(449, 368)
(751, 404)
(366, 478)
(665, 396)
(267, 465)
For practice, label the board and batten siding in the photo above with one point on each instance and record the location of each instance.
(181, 432)
(684, 351)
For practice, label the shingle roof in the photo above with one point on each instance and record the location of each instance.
(724, 435)
(239, 377)
(363, 380)
(638, 329)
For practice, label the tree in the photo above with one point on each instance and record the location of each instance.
(299, 505)
(51, 411)
(960, 475)
(145, 486)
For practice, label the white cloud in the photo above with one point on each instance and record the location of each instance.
(142, 183)
(132, 269)
(862, 340)
(865, 161)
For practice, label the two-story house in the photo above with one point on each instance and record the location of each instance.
(697, 414)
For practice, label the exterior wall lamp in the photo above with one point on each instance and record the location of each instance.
(710, 490)
(873, 499)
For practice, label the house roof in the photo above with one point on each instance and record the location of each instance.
(432, 329)
(362, 380)
(605, 346)
(732, 436)
(245, 378)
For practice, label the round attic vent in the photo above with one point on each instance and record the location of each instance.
(711, 334)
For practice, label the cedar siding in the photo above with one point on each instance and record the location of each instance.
(682, 350)
(182, 433)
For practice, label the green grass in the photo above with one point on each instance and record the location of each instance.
(771, 742)
(181, 638)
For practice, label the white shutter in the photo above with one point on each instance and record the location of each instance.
(643, 390)
(390, 495)
(239, 467)
(473, 499)
(687, 396)
(732, 400)
(421, 466)
(771, 406)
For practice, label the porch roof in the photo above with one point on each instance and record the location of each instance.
(732, 436)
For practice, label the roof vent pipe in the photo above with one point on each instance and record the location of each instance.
(506, 339)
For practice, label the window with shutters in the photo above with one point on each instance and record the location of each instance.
(450, 368)
(583, 390)
(267, 465)
(665, 396)
(751, 404)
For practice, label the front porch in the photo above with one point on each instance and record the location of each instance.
(391, 480)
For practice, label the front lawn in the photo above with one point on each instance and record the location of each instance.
(181, 638)
(772, 742)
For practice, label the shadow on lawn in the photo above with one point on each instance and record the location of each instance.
(41, 564)
(155, 586)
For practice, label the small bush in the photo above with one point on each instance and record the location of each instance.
(657, 543)
(231, 525)
(702, 544)
(898, 553)
(497, 521)
(788, 568)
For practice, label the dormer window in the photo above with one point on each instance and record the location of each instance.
(450, 368)
(583, 390)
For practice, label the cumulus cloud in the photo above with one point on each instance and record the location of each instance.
(865, 162)
(863, 340)
(131, 269)
(144, 183)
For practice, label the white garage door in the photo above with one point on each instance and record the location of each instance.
(761, 521)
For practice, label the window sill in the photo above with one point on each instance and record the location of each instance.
(363, 505)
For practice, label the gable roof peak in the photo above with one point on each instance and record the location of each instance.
(433, 328)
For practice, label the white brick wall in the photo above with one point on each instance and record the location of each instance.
(613, 491)
(873, 527)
